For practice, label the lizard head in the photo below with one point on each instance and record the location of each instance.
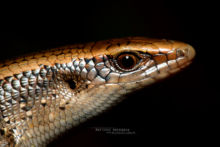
(138, 59)
(134, 60)
(120, 66)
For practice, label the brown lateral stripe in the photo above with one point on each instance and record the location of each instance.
(67, 53)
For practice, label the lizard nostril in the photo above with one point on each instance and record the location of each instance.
(180, 53)
(71, 83)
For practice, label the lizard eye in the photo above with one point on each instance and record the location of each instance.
(127, 61)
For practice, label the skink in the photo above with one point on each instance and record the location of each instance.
(46, 93)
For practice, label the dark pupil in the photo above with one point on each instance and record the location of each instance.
(127, 61)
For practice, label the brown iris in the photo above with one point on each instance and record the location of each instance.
(127, 61)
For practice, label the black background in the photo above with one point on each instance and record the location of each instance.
(180, 110)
